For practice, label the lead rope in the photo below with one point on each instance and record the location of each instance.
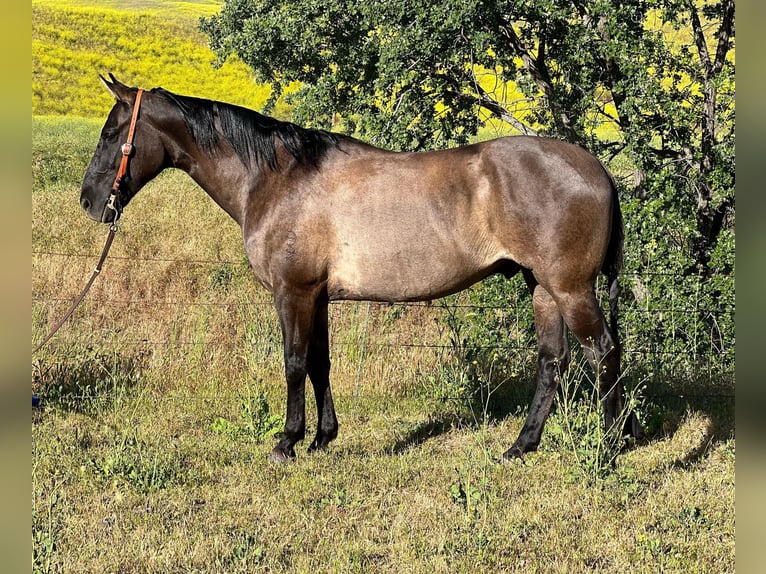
(109, 238)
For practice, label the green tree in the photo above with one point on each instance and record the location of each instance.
(650, 83)
(647, 85)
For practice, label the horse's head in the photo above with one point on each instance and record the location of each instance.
(146, 158)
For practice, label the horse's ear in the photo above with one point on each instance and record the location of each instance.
(119, 90)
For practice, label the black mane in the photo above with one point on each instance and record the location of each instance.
(252, 135)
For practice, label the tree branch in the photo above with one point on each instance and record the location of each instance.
(724, 36)
(699, 39)
(536, 69)
(487, 102)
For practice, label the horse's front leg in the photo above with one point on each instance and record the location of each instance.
(319, 373)
(552, 360)
(296, 315)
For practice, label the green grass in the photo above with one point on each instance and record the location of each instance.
(60, 149)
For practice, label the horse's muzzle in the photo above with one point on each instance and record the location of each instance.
(107, 214)
(85, 203)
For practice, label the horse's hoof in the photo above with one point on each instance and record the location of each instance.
(278, 456)
(318, 446)
(513, 453)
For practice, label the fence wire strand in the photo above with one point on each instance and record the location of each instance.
(440, 307)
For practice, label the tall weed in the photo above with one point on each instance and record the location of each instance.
(577, 428)
(256, 421)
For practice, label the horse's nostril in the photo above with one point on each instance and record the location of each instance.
(85, 202)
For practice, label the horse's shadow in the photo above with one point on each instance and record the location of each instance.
(424, 431)
(504, 401)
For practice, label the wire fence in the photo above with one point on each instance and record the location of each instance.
(667, 321)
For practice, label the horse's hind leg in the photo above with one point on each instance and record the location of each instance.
(552, 360)
(319, 373)
(584, 317)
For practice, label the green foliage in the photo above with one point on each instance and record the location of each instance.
(414, 76)
(682, 312)
(339, 500)
(382, 66)
(221, 277)
(246, 553)
(471, 493)
(577, 425)
(488, 359)
(256, 421)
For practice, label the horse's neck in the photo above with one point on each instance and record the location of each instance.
(223, 177)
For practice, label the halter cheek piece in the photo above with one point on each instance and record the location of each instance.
(127, 149)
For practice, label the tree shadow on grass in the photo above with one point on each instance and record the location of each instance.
(669, 404)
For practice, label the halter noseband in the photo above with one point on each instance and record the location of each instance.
(113, 202)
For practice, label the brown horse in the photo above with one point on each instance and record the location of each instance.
(327, 217)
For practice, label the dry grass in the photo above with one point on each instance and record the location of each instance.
(382, 500)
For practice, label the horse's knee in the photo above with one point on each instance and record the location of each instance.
(296, 369)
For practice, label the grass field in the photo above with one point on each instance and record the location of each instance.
(160, 399)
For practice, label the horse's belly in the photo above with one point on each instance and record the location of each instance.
(413, 274)
(415, 246)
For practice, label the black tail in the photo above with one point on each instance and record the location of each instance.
(613, 262)
(611, 268)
